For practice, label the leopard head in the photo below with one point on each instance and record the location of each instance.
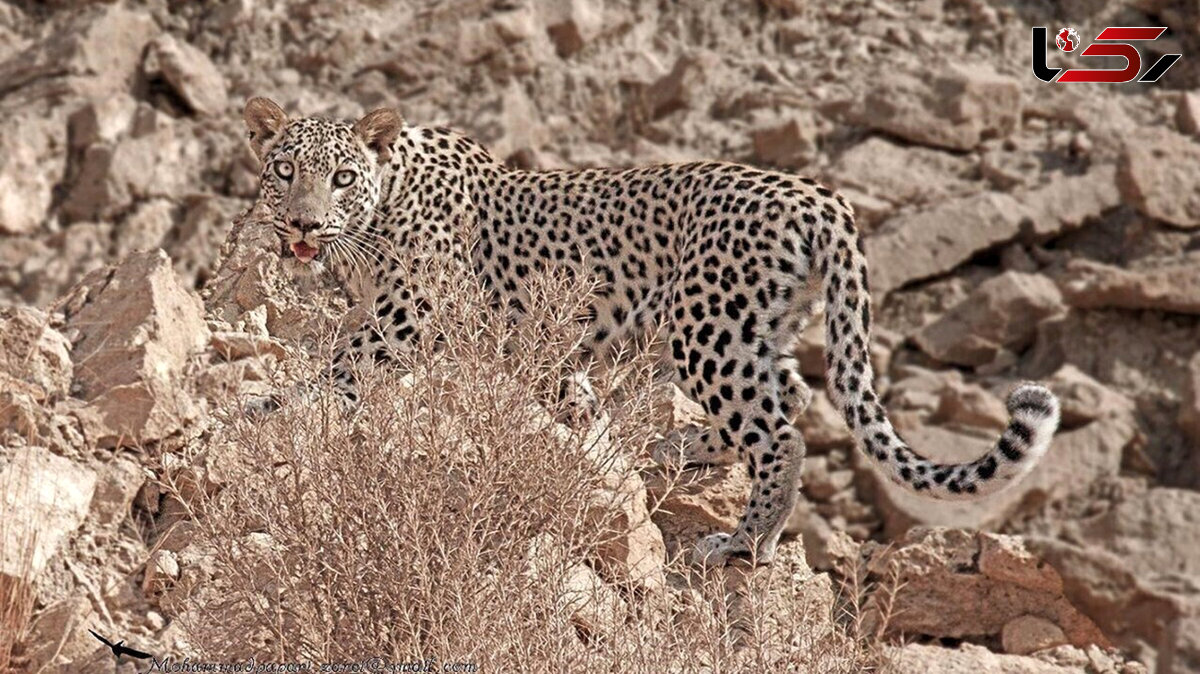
(321, 179)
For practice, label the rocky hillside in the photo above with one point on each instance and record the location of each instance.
(1016, 230)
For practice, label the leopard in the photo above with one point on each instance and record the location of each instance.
(729, 261)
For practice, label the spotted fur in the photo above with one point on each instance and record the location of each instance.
(732, 259)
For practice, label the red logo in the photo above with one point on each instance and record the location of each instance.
(1067, 39)
(1120, 38)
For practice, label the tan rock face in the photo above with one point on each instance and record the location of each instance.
(1067, 202)
(970, 406)
(118, 134)
(789, 144)
(1160, 174)
(919, 245)
(1083, 399)
(61, 632)
(1172, 286)
(153, 159)
(1129, 565)
(33, 352)
(582, 599)
(94, 51)
(810, 350)
(954, 583)
(233, 345)
(916, 246)
(188, 72)
(162, 570)
(954, 110)
(900, 174)
(1187, 113)
(822, 425)
(1156, 532)
(44, 499)
(592, 605)
(572, 24)
(700, 502)
(1189, 408)
(1141, 613)
(1000, 315)
(1029, 633)
(32, 160)
(922, 659)
(117, 484)
(19, 410)
(635, 553)
(136, 327)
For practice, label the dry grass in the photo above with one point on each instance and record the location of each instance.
(454, 517)
(17, 591)
(16, 608)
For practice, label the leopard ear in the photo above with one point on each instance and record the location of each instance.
(264, 120)
(379, 130)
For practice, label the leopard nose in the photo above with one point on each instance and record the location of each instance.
(304, 225)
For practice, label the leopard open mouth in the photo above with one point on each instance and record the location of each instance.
(304, 252)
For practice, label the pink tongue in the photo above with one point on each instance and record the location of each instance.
(303, 251)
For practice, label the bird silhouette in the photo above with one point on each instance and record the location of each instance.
(120, 649)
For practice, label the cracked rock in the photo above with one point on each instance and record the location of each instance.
(1000, 315)
(137, 326)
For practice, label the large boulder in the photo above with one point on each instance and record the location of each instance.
(91, 52)
(1001, 315)
(1171, 285)
(900, 174)
(1084, 400)
(1132, 568)
(913, 246)
(697, 502)
(135, 327)
(918, 245)
(955, 110)
(58, 634)
(44, 499)
(969, 585)
(188, 72)
(635, 553)
(32, 161)
(1160, 175)
(582, 599)
(1156, 531)
(34, 353)
(1065, 202)
(153, 157)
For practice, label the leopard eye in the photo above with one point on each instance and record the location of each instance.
(344, 178)
(284, 169)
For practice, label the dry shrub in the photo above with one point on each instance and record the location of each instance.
(454, 516)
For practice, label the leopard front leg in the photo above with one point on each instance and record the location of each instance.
(396, 322)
